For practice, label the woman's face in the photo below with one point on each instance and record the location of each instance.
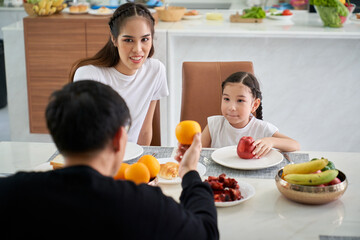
(133, 43)
(237, 104)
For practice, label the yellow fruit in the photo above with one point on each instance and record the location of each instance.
(36, 9)
(42, 4)
(312, 179)
(57, 3)
(152, 164)
(186, 130)
(41, 12)
(307, 167)
(138, 173)
(121, 172)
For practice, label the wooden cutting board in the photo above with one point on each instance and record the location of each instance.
(236, 18)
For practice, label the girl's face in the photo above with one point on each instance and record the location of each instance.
(237, 104)
(133, 43)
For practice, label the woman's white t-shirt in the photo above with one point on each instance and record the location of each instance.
(138, 90)
(223, 134)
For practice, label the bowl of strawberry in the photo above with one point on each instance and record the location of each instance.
(229, 191)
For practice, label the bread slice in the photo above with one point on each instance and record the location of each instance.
(169, 170)
(58, 162)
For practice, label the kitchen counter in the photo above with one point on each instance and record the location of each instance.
(300, 64)
(302, 24)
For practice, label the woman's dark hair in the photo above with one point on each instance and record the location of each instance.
(84, 116)
(249, 80)
(108, 56)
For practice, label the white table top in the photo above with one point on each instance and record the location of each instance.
(268, 215)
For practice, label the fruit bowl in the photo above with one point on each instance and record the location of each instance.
(171, 13)
(311, 194)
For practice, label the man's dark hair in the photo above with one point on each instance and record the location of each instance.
(84, 116)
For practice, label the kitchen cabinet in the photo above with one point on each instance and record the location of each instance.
(52, 45)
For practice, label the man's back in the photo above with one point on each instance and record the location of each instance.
(80, 202)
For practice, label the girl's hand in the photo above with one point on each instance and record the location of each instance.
(262, 147)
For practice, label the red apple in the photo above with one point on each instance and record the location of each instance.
(335, 181)
(246, 147)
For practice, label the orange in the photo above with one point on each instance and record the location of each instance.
(138, 173)
(152, 164)
(186, 130)
(121, 172)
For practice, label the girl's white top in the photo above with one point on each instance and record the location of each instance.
(138, 90)
(223, 134)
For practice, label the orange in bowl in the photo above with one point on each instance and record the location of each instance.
(152, 164)
(186, 130)
(121, 172)
(138, 173)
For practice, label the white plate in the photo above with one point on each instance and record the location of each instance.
(95, 12)
(287, 17)
(192, 17)
(132, 150)
(67, 10)
(354, 19)
(200, 168)
(247, 191)
(228, 157)
(43, 167)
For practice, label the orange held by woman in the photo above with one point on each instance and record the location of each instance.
(186, 130)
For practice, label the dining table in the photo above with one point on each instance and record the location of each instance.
(266, 215)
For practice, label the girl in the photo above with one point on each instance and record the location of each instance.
(125, 64)
(242, 116)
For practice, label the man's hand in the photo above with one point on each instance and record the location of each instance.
(190, 159)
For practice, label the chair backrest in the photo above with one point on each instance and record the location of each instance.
(156, 138)
(201, 88)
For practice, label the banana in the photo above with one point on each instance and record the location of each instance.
(41, 12)
(57, 3)
(48, 6)
(36, 9)
(312, 178)
(52, 10)
(42, 4)
(307, 167)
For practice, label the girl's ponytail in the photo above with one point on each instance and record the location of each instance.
(258, 112)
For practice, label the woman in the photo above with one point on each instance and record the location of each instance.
(125, 64)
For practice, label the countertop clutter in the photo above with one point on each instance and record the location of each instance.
(266, 215)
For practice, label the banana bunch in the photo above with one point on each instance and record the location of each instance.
(309, 173)
(48, 7)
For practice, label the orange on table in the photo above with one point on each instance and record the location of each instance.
(138, 173)
(186, 130)
(121, 172)
(152, 164)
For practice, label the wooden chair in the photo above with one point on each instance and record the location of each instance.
(156, 138)
(201, 88)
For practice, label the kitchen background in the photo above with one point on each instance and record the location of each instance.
(10, 15)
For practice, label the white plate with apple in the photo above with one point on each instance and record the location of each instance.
(228, 157)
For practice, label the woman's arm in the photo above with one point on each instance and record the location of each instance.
(145, 135)
(206, 137)
(279, 141)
